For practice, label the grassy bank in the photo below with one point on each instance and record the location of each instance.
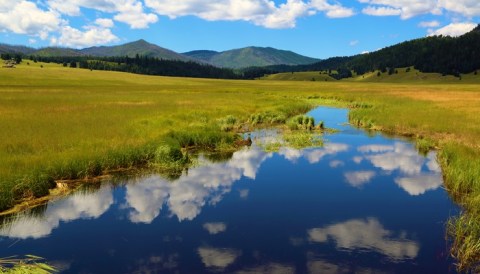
(62, 123)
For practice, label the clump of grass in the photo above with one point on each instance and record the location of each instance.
(29, 264)
(465, 234)
(424, 145)
(267, 118)
(228, 123)
(301, 122)
(302, 139)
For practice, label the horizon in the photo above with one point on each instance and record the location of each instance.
(314, 28)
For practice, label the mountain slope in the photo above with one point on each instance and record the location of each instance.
(55, 52)
(140, 47)
(251, 57)
(4, 48)
(440, 54)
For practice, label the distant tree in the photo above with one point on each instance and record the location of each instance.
(391, 71)
(475, 73)
(396, 71)
(73, 64)
(6, 56)
(65, 64)
(408, 69)
(18, 58)
(378, 74)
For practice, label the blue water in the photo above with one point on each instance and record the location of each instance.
(360, 204)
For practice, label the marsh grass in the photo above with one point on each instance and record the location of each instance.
(29, 264)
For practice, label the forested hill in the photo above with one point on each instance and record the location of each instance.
(250, 56)
(441, 54)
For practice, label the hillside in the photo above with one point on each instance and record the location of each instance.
(54, 52)
(300, 76)
(251, 57)
(4, 48)
(439, 54)
(140, 47)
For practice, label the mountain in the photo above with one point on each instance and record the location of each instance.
(251, 57)
(140, 47)
(4, 48)
(204, 55)
(54, 52)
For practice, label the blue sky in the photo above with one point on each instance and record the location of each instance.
(317, 28)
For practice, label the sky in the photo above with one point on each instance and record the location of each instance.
(315, 28)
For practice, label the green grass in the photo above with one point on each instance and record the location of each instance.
(300, 76)
(63, 123)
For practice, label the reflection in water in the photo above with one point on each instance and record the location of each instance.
(368, 234)
(419, 184)
(403, 158)
(336, 163)
(218, 257)
(312, 155)
(271, 268)
(78, 206)
(215, 228)
(359, 178)
(323, 267)
(399, 156)
(186, 196)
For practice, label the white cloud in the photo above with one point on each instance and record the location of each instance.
(366, 234)
(359, 178)
(259, 12)
(336, 163)
(24, 17)
(353, 43)
(332, 10)
(429, 24)
(468, 8)
(130, 12)
(215, 228)
(92, 35)
(104, 23)
(381, 11)
(454, 29)
(405, 8)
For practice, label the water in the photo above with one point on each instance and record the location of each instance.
(360, 204)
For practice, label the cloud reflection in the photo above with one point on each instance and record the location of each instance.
(215, 228)
(218, 257)
(186, 196)
(359, 178)
(366, 234)
(77, 206)
(312, 155)
(401, 157)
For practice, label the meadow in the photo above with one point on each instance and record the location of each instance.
(66, 124)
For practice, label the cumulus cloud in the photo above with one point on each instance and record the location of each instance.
(467, 8)
(260, 12)
(104, 22)
(92, 35)
(25, 17)
(131, 12)
(419, 184)
(404, 8)
(454, 29)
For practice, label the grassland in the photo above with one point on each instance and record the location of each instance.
(62, 123)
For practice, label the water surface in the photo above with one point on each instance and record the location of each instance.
(360, 204)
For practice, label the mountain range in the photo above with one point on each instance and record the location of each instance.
(237, 58)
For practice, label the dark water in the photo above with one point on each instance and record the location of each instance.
(360, 204)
